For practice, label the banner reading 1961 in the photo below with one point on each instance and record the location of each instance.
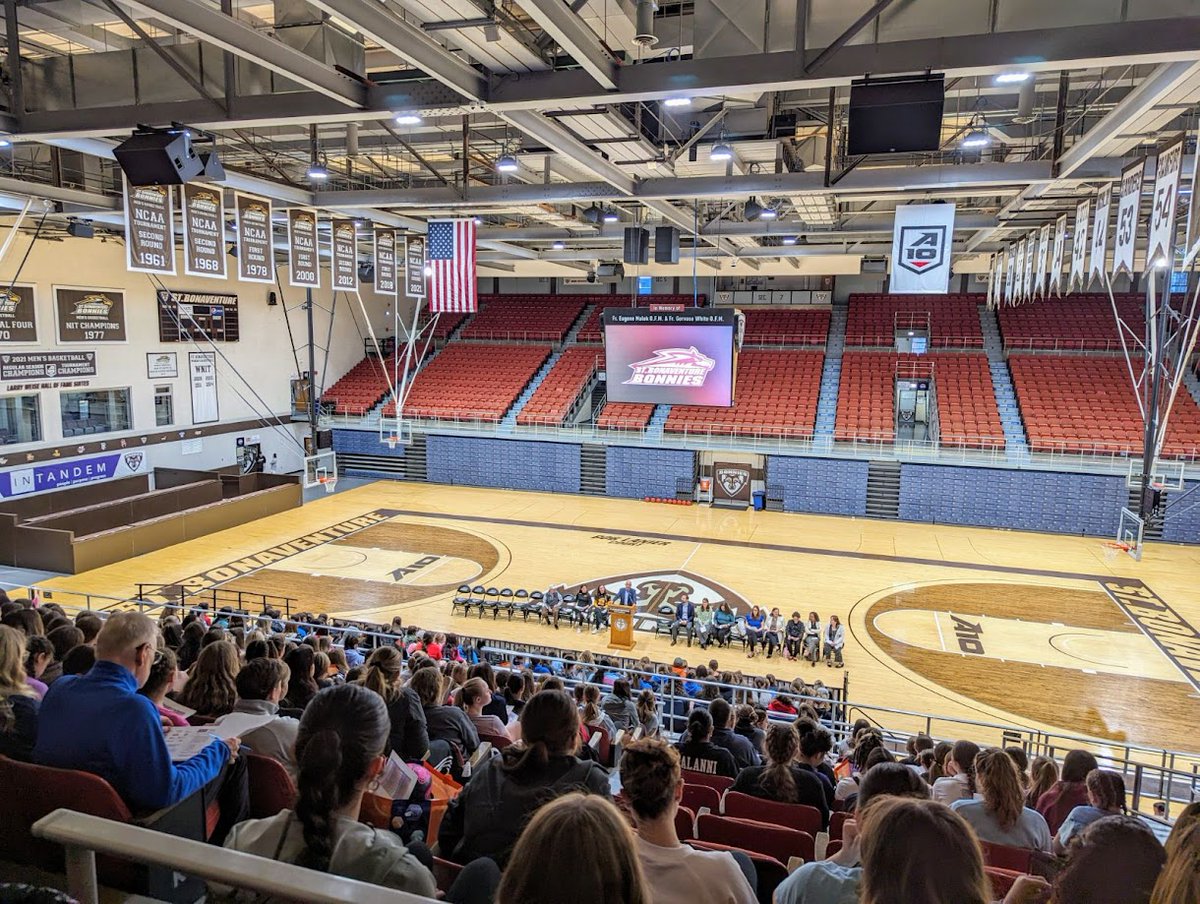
(385, 262)
(345, 256)
(149, 228)
(255, 252)
(304, 267)
(203, 230)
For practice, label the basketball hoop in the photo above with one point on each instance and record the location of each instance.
(1113, 548)
(330, 483)
(391, 440)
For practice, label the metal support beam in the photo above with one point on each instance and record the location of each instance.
(560, 140)
(210, 24)
(13, 60)
(576, 38)
(848, 35)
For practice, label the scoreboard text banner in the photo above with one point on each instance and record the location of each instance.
(203, 230)
(921, 249)
(1127, 216)
(345, 256)
(255, 250)
(149, 228)
(304, 263)
(385, 262)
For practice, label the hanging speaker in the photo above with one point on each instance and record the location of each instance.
(160, 158)
(637, 245)
(666, 245)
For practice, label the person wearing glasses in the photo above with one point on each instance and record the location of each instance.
(98, 722)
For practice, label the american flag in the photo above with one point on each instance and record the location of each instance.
(451, 250)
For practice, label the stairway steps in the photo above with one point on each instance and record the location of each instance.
(831, 376)
(883, 489)
(593, 468)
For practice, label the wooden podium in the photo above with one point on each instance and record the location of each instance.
(620, 630)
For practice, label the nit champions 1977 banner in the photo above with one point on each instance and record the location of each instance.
(670, 358)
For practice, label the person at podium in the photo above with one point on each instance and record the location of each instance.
(627, 595)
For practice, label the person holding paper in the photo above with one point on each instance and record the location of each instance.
(98, 723)
(261, 684)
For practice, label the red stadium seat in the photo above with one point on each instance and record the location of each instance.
(753, 835)
(625, 416)
(770, 871)
(685, 824)
(792, 816)
(271, 788)
(837, 822)
(697, 796)
(719, 782)
(1003, 856)
(952, 320)
(553, 400)
(1001, 880)
(787, 327)
(1075, 323)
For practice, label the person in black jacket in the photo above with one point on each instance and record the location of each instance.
(697, 752)
(486, 819)
(409, 736)
(496, 706)
(747, 726)
(781, 780)
(740, 748)
(442, 722)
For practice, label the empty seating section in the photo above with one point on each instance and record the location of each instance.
(360, 390)
(625, 416)
(776, 397)
(787, 327)
(966, 404)
(1078, 404)
(472, 382)
(1074, 323)
(552, 401)
(447, 324)
(593, 330)
(952, 320)
(524, 318)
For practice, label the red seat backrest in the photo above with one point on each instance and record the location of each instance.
(497, 741)
(445, 872)
(769, 870)
(1003, 856)
(697, 796)
(792, 816)
(685, 824)
(271, 788)
(760, 837)
(1002, 880)
(836, 823)
(720, 782)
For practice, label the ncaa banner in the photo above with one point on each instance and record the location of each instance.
(203, 230)
(1127, 215)
(149, 228)
(1079, 241)
(255, 248)
(1039, 264)
(344, 267)
(921, 249)
(304, 263)
(1100, 233)
(385, 262)
(1056, 257)
(1162, 213)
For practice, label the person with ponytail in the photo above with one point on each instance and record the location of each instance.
(1001, 817)
(409, 735)
(782, 779)
(1106, 797)
(959, 780)
(339, 750)
(697, 752)
(487, 818)
(1043, 774)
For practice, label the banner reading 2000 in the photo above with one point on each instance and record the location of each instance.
(670, 358)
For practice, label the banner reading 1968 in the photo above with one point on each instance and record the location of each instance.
(256, 254)
(304, 267)
(345, 256)
(203, 230)
(149, 228)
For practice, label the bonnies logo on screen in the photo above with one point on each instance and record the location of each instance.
(672, 367)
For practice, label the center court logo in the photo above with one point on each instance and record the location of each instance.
(657, 589)
(686, 367)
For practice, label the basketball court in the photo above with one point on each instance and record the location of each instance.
(1030, 629)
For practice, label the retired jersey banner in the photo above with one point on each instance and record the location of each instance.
(1192, 232)
(1127, 215)
(993, 280)
(203, 230)
(1019, 292)
(255, 245)
(1162, 211)
(1039, 262)
(150, 228)
(1030, 252)
(1096, 265)
(385, 262)
(921, 249)
(1079, 243)
(1010, 275)
(304, 262)
(1056, 256)
(345, 256)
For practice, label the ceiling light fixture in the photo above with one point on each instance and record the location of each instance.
(591, 215)
(677, 102)
(507, 163)
(721, 152)
(611, 216)
(559, 245)
(789, 240)
(317, 171)
(5, 143)
(769, 212)
(975, 138)
(1013, 78)
(408, 119)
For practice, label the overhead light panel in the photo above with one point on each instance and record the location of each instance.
(507, 163)
(408, 119)
(677, 102)
(611, 216)
(317, 172)
(5, 143)
(559, 245)
(720, 152)
(976, 137)
(1013, 78)
(591, 215)
(769, 212)
(789, 240)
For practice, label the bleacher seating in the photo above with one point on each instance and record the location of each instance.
(359, 390)
(524, 318)
(776, 397)
(593, 331)
(787, 327)
(625, 416)
(1084, 404)
(447, 324)
(472, 382)
(953, 320)
(966, 404)
(1074, 323)
(553, 399)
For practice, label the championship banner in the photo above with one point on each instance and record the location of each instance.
(203, 230)
(1039, 263)
(414, 266)
(385, 262)
(1079, 242)
(1100, 233)
(1127, 215)
(89, 315)
(1162, 212)
(203, 372)
(149, 228)
(1056, 257)
(921, 249)
(1019, 293)
(345, 256)
(304, 262)
(18, 314)
(255, 247)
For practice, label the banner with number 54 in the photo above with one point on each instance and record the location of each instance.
(1162, 214)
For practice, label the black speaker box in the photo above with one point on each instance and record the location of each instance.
(666, 245)
(637, 245)
(159, 158)
(324, 439)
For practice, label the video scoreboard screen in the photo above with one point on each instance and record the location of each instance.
(197, 316)
(682, 357)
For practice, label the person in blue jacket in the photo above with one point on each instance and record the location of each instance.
(97, 722)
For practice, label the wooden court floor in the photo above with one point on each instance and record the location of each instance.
(1032, 629)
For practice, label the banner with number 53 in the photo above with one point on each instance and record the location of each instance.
(1127, 215)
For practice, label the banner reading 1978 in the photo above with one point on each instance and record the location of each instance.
(203, 230)
(149, 228)
(255, 252)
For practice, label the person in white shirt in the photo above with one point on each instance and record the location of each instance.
(1001, 817)
(774, 631)
(261, 684)
(835, 639)
(812, 638)
(675, 873)
(959, 781)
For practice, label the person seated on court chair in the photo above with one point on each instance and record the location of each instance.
(601, 603)
(781, 779)
(583, 607)
(793, 637)
(835, 639)
(552, 603)
(812, 638)
(723, 624)
(704, 623)
(755, 623)
(773, 632)
(685, 617)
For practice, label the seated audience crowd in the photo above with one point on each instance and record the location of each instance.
(571, 778)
